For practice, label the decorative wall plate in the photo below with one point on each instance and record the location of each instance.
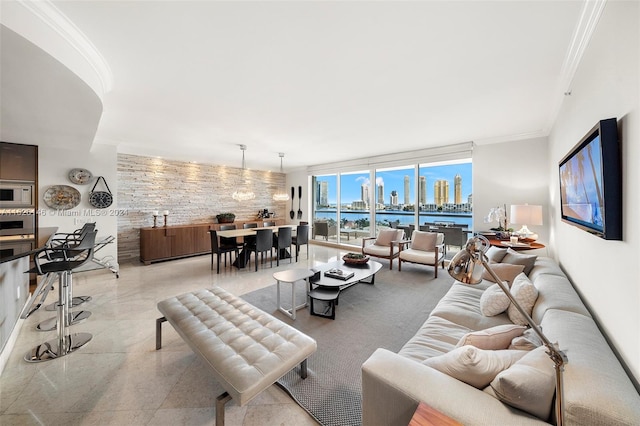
(80, 176)
(62, 197)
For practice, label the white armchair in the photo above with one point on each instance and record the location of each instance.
(385, 245)
(425, 248)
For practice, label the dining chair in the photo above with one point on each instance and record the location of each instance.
(264, 243)
(249, 240)
(301, 238)
(269, 223)
(218, 249)
(282, 242)
(225, 241)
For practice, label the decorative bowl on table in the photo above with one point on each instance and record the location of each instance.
(355, 258)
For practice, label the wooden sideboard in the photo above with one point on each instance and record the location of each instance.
(174, 242)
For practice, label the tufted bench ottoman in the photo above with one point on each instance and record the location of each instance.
(246, 349)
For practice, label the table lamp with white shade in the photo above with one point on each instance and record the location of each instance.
(525, 214)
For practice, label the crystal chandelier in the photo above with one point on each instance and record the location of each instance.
(281, 196)
(241, 195)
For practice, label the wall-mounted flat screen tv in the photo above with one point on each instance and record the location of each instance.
(591, 182)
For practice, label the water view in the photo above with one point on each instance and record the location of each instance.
(439, 193)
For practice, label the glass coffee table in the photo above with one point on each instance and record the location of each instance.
(327, 289)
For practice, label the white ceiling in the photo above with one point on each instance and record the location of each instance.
(325, 81)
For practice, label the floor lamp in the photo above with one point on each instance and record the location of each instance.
(466, 267)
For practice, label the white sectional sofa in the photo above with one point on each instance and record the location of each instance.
(597, 389)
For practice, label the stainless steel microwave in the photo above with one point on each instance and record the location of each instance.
(16, 194)
(17, 221)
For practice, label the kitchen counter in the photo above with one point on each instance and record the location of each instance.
(14, 293)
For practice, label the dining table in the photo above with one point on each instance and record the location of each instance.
(243, 256)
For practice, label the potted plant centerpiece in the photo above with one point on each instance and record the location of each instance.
(226, 217)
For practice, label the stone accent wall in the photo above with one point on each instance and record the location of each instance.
(192, 193)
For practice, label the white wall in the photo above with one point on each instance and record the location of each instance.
(606, 85)
(511, 173)
(299, 178)
(53, 169)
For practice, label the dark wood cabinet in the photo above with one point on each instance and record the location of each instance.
(155, 244)
(201, 239)
(18, 162)
(174, 242)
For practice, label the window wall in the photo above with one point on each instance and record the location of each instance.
(355, 206)
(445, 194)
(325, 203)
(395, 198)
(413, 190)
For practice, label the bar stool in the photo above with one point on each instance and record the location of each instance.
(69, 240)
(72, 259)
(73, 249)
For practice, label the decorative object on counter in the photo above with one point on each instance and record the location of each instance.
(80, 176)
(526, 215)
(265, 214)
(498, 214)
(62, 197)
(467, 266)
(355, 258)
(240, 195)
(100, 199)
(155, 218)
(281, 196)
(226, 217)
(166, 215)
(299, 201)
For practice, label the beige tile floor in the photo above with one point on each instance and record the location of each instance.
(119, 378)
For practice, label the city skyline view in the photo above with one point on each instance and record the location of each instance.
(356, 185)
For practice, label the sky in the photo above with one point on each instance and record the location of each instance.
(394, 180)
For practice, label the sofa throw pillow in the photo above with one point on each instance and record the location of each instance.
(496, 254)
(474, 366)
(526, 295)
(385, 237)
(529, 384)
(505, 271)
(493, 301)
(494, 338)
(515, 258)
(425, 241)
(527, 342)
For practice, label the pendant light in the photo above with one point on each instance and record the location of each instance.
(245, 195)
(281, 196)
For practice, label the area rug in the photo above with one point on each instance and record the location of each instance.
(384, 315)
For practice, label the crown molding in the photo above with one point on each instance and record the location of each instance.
(48, 13)
(586, 26)
(512, 137)
(582, 35)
